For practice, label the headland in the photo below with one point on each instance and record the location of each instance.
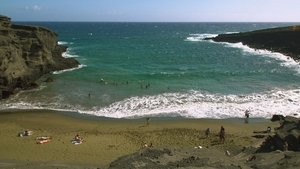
(26, 54)
(285, 40)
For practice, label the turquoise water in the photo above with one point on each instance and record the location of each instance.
(166, 69)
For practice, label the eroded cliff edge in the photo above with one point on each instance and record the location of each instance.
(285, 40)
(26, 54)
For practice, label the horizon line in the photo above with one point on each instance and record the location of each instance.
(165, 21)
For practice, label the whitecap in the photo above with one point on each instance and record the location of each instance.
(62, 43)
(195, 104)
(69, 54)
(200, 37)
(231, 32)
(68, 70)
(286, 61)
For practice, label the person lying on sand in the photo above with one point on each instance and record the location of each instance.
(25, 133)
(77, 139)
(43, 140)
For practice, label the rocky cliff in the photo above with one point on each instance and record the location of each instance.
(27, 53)
(285, 40)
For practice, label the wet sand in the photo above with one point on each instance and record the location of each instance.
(107, 139)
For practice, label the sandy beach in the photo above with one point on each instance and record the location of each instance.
(171, 81)
(107, 139)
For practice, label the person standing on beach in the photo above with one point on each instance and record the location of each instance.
(147, 121)
(222, 134)
(247, 114)
(207, 132)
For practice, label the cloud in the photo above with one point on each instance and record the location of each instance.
(34, 8)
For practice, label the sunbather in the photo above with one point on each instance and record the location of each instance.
(77, 139)
(43, 140)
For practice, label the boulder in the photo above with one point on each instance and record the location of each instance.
(277, 118)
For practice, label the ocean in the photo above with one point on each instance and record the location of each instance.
(132, 70)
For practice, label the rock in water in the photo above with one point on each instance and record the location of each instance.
(27, 53)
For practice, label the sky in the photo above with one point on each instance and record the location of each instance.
(152, 10)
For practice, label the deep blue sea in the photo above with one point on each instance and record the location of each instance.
(131, 70)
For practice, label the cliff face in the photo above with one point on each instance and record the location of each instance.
(27, 53)
(285, 40)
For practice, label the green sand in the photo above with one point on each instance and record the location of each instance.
(108, 139)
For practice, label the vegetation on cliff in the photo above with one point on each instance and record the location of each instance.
(27, 53)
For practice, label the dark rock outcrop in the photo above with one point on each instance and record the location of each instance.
(280, 150)
(277, 118)
(27, 53)
(287, 136)
(169, 158)
(285, 40)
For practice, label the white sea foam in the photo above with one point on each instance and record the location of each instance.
(285, 60)
(69, 54)
(194, 104)
(200, 37)
(64, 43)
(231, 32)
(202, 105)
(68, 70)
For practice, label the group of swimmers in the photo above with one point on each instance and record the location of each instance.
(143, 85)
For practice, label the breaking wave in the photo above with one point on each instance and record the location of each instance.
(193, 104)
(69, 54)
(285, 60)
(64, 43)
(68, 70)
(200, 37)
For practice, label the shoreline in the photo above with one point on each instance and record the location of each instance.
(142, 118)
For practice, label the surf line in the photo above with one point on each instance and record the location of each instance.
(68, 70)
